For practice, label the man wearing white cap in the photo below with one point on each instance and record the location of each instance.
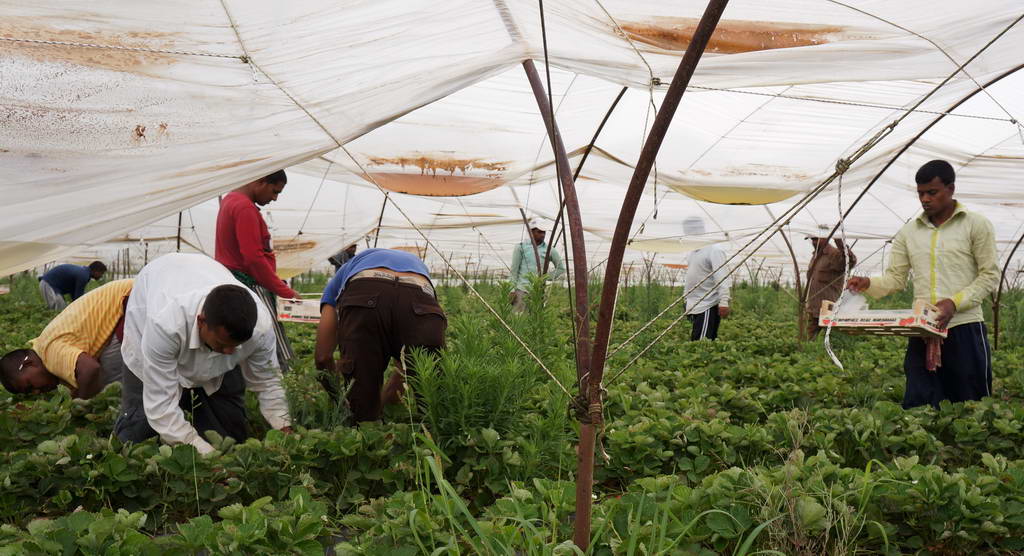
(707, 284)
(525, 259)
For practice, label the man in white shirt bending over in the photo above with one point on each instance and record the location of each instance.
(707, 301)
(194, 339)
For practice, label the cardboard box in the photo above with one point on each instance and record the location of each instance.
(298, 310)
(916, 321)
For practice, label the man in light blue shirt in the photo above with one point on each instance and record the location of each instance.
(524, 264)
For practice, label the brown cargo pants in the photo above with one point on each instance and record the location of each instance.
(377, 317)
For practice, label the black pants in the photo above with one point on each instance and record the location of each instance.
(705, 325)
(965, 374)
(223, 411)
(377, 318)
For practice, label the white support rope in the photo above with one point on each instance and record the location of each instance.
(256, 67)
(1011, 119)
(846, 268)
(499, 256)
(313, 202)
(937, 47)
(459, 274)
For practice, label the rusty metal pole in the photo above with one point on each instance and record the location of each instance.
(575, 222)
(999, 293)
(701, 37)
(380, 219)
(585, 451)
(177, 249)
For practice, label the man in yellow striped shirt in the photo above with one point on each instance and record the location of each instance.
(80, 348)
(952, 253)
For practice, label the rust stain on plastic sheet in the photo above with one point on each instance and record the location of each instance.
(438, 176)
(292, 245)
(111, 58)
(731, 36)
(450, 165)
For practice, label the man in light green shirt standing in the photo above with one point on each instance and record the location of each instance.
(952, 254)
(525, 258)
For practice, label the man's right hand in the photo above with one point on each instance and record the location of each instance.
(857, 284)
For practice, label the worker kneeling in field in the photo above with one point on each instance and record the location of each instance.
(952, 253)
(80, 348)
(379, 306)
(194, 339)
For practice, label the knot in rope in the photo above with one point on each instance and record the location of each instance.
(842, 165)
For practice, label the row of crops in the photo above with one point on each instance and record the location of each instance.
(753, 443)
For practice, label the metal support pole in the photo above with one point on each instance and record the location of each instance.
(585, 457)
(178, 247)
(999, 293)
(684, 72)
(380, 219)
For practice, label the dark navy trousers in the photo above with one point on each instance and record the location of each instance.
(705, 325)
(965, 374)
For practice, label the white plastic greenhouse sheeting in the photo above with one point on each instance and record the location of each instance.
(99, 145)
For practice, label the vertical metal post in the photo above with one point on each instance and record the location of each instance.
(999, 293)
(177, 249)
(585, 452)
(380, 219)
(684, 72)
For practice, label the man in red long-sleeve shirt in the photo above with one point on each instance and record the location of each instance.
(244, 247)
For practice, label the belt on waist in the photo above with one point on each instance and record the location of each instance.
(417, 280)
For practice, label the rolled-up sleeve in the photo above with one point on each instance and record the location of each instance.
(894, 278)
(162, 389)
(263, 375)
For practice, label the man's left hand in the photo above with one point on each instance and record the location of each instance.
(946, 311)
(723, 311)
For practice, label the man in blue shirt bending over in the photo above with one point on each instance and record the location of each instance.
(68, 279)
(379, 305)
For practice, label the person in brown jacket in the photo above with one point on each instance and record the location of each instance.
(824, 278)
